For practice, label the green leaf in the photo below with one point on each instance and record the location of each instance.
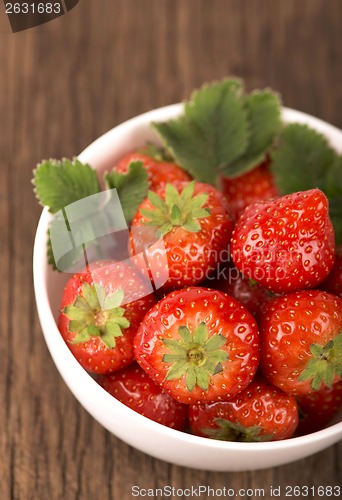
(108, 339)
(132, 187)
(191, 378)
(57, 184)
(120, 320)
(264, 112)
(303, 159)
(177, 370)
(202, 379)
(185, 334)
(156, 201)
(215, 342)
(77, 325)
(173, 358)
(81, 337)
(114, 300)
(74, 312)
(156, 152)
(218, 357)
(176, 216)
(192, 226)
(188, 193)
(200, 333)
(200, 213)
(333, 190)
(171, 195)
(212, 132)
(90, 295)
(198, 201)
(166, 228)
(50, 255)
(174, 346)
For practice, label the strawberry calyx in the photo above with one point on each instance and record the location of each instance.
(160, 154)
(195, 356)
(325, 364)
(235, 431)
(95, 314)
(177, 210)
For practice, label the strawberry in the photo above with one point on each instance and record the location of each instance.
(196, 229)
(255, 185)
(199, 345)
(302, 341)
(159, 172)
(333, 283)
(135, 389)
(260, 412)
(101, 310)
(250, 293)
(316, 410)
(285, 244)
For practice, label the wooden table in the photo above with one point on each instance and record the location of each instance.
(61, 86)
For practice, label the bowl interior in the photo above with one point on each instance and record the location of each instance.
(102, 155)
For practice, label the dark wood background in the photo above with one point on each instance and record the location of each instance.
(61, 86)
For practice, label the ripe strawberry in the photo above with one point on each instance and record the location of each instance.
(255, 185)
(196, 229)
(285, 244)
(135, 389)
(159, 172)
(333, 283)
(302, 341)
(250, 293)
(317, 409)
(101, 311)
(199, 345)
(261, 412)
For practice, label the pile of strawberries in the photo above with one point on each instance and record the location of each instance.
(226, 316)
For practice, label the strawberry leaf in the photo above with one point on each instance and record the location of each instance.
(263, 108)
(302, 160)
(334, 192)
(212, 132)
(132, 187)
(58, 184)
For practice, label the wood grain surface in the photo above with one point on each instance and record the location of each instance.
(61, 86)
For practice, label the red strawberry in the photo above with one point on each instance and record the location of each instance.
(250, 187)
(302, 341)
(250, 293)
(196, 229)
(100, 312)
(159, 172)
(199, 345)
(285, 244)
(316, 410)
(135, 389)
(333, 283)
(260, 412)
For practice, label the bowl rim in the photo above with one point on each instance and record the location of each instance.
(55, 342)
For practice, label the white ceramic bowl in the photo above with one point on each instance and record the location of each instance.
(144, 434)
